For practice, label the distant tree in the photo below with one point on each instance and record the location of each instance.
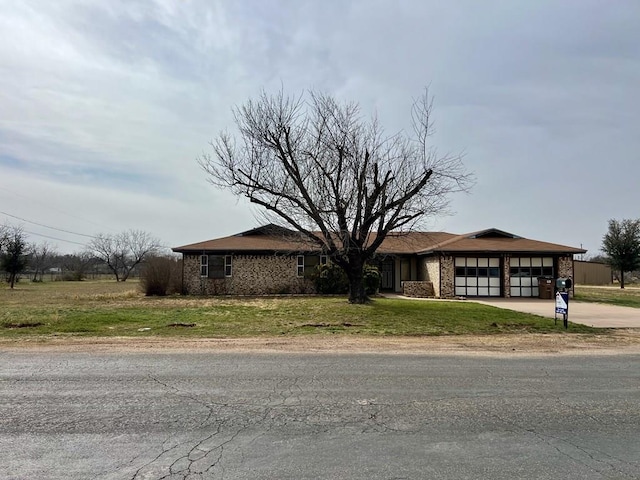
(41, 256)
(13, 256)
(124, 251)
(599, 258)
(316, 166)
(4, 235)
(75, 266)
(621, 243)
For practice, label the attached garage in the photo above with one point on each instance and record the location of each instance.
(477, 276)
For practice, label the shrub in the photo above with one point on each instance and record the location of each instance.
(330, 279)
(72, 276)
(371, 279)
(161, 276)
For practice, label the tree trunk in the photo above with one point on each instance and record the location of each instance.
(12, 279)
(355, 274)
(621, 279)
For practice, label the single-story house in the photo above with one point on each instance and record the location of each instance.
(271, 259)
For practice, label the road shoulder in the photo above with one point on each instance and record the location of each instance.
(620, 341)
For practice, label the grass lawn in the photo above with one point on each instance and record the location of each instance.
(101, 308)
(627, 297)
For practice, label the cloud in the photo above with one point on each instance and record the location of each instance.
(113, 102)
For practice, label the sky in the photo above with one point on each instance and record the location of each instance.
(105, 106)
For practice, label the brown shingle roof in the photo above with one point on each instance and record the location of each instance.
(270, 238)
(525, 245)
(261, 239)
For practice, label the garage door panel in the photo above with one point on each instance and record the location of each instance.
(477, 276)
(524, 273)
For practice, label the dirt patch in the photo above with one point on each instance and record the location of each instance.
(618, 342)
(330, 325)
(22, 324)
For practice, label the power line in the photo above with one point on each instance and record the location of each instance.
(55, 238)
(48, 206)
(46, 226)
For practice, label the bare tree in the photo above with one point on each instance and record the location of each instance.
(40, 258)
(13, 252)
(317, 166)
(4, 236)
(621, 243)
(75, 266)
(124, 251)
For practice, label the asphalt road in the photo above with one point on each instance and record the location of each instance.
(327, 416)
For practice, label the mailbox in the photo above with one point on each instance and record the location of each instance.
(563, 283)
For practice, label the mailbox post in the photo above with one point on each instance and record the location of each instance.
(563, 285)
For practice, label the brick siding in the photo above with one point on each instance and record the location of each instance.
(251, 275)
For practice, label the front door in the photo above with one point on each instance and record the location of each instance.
(386, 274)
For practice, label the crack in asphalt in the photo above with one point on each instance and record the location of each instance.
(547, 440)
(187, 471)
(286, 393)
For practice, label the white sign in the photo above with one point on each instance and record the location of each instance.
(562, 303)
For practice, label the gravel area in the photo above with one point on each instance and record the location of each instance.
(616, 342)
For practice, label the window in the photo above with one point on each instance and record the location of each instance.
(216, 266)
(204, 265)
(307, 264)
(228, 266)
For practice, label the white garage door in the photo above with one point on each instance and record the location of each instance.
(524, 273)
(477, 277)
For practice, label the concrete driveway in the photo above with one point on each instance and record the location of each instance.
(592, 314)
